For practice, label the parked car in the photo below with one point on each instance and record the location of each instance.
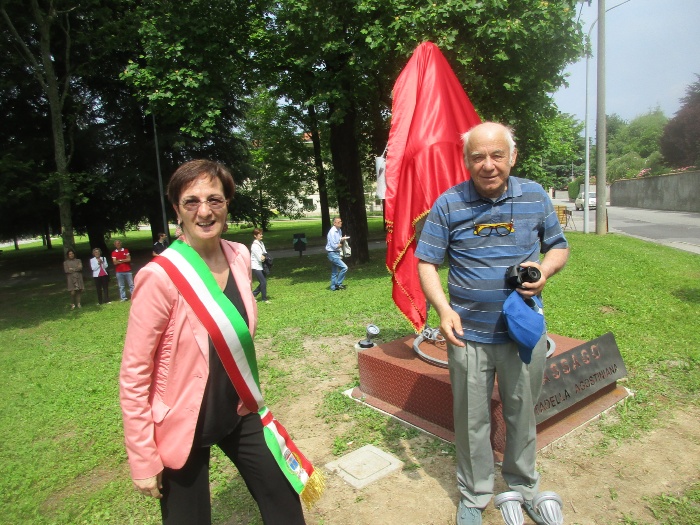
(591, 200)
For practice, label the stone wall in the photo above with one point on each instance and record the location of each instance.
(674, 192)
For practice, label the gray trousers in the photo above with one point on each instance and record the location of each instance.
(472, 372)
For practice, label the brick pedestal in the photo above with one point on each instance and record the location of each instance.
(395, 380)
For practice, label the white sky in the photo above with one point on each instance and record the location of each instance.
(652, 56)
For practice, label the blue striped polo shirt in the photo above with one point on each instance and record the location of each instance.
(476, 279)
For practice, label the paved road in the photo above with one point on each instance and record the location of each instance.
(672, 228)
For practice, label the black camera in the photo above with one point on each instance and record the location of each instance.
(517, 275)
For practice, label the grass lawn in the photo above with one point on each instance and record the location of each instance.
(63, 460)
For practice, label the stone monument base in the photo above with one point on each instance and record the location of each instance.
(395, 380)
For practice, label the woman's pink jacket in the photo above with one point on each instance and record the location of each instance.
(165, 366)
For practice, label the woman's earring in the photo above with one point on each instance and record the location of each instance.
(225, 227)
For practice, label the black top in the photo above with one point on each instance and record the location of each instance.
(159, 247)
(218, 416)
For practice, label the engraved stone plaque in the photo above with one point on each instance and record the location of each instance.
(574, 375)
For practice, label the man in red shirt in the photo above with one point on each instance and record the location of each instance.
(122, 266)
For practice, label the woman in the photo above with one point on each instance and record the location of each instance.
(257, 256)
(73, 269)
(177, 399)
(98, 264)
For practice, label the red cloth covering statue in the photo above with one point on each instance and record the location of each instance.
(430, 112)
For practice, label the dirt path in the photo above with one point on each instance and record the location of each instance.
(597, 487)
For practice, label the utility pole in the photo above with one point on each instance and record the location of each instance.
(601, 124)
(601, 226)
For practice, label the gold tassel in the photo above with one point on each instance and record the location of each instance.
(313, 489)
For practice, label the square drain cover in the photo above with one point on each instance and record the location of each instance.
(364, 465)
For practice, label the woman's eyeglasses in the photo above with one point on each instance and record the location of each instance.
(214, 203)
(500, 228)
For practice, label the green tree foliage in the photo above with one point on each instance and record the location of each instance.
(282, 169)
(509, 56)
(634, 146)
(109, 140)
(680, 142)
(624, 166)
(58, 65)
(614, 124)
(574, 186)
(41, 35)
(641, 135)
(194, 66)
(562, 152)
(27, 204)
(325, 63)
(343, 58)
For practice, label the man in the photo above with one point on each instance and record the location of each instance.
(122, 267)
(160, 245)
(334, 245)
(484, 225)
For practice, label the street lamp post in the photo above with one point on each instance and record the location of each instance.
(586, 178)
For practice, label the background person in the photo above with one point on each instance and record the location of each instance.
(334, 244)
(177, 399)
(73, 269)
(160, 245)
(122, 267)
(484, 225)
(98, 264)
(257, 256)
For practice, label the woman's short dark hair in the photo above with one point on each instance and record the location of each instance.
(256, 231)
(70, 250)
(190, 171)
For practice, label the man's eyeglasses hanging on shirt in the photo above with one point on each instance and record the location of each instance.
(500, 228)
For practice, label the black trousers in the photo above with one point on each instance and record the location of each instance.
(262, 287)
(186, 498)
(102, 287)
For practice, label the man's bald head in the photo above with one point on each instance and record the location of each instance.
(489, 153)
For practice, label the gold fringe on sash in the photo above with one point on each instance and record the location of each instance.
(313, 489)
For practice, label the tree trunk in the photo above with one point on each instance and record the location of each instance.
(350, 186)
(96, 238)
(43, 69)
(264, 215)
(47, 236)
(155, 220)
(320, 174)
(52, 90)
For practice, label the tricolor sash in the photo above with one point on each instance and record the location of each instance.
(234, 345)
